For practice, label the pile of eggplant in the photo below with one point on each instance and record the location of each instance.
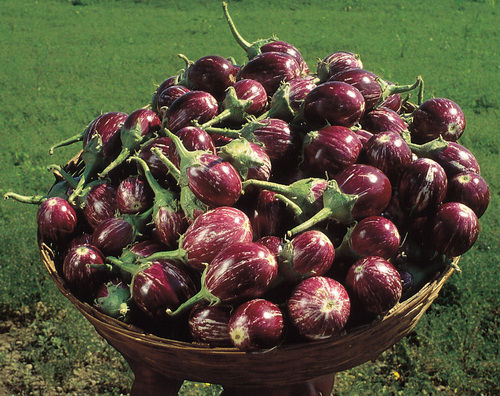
(264, 203)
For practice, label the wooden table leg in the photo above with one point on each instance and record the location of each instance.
(148, 382)
(321, 386)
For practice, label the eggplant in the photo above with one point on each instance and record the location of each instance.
(193, 138)
(470, 189)
(100, 204)
(113, 299)
(208, 324)
(334, 103)
(454, 229)
(56, 220)
(243, 270)
(376, 283)
(84, 270)
(336, 62)
(197, 106)
(383, 119)
(437, 117)
(133, 195)
(164, 99)
(319, 307)
(270, 216)
(330, 150)
(255, 325)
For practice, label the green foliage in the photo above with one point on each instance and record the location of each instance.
(66, 61)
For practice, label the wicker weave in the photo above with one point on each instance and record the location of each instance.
(228, 366)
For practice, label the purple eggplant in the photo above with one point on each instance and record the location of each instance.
(212, 180)
(140, 125)
(452, 156)
(253, 91)
(100, 204)
(364, 81)
(255, 325)
(264, 45)
(389, 152)
(270, 69)
(330, 150)
(470, 189)
(209, 233)
(193, 138)
(422, 186)
(133, 195)
(319, 307)
(243, 270)
(336, 62)
(112, 298)
(371, 236)
(56, 220)
(310, 253)
(164, 99)
(167, 215)
(334, 103)
(157, 285)
(393, 102)
(249, 159)
(197, 106)
(437, 117)
(376, 283)
(169, 82)
(108, 126)
(370, 185)
(111, 236)
(208, 324)
(84, 270)
(270, 215)
(454, 229)
(383, 119)
(273, 243)
(211, 73)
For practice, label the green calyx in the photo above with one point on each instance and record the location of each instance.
(280, 104)
(336, 206)
(391, 89)
(240, 154)
(429, 149)
(234, 109)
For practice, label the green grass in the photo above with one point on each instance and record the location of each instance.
(63, 64)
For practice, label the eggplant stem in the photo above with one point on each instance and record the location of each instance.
(237, 36)
(34, 200)
(65, 175)
(290, 204)
(226, 113)
(117, 161)
(174, 171)
(323, 214)
(177, 254)
(153, 183)
(67, 142)
(275, 187)
(420, 95)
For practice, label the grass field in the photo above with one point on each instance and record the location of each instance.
(64, 62)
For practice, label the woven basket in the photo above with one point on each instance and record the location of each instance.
(178, 360)
(228, 366)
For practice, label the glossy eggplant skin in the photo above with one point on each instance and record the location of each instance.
(319, 307)
(108, 126)
(470, 189)
(299, 89)
(456, 158)
(370, 184)
(375, 236)
(376, 283)
(256, 324)
(242, 270)
(277, 138)
(365, 82)
(212, 231)
(388, 152)
(212, 74)
(214, 182)
(437, 117)
(331, 149)
(56, 220)
(82, 279)
(133, 195)
(334, 103)
(167, 96)
(111, 236)
(270, 215)
(100, 204)
(192, 106)
(161, 286)
(339, 61)
(454, 229)
(193, 138)
(208, 324)
(248, 89)
(270, 69)
(383, 119)
(157, 167)
(422, 186)
(287, 48)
